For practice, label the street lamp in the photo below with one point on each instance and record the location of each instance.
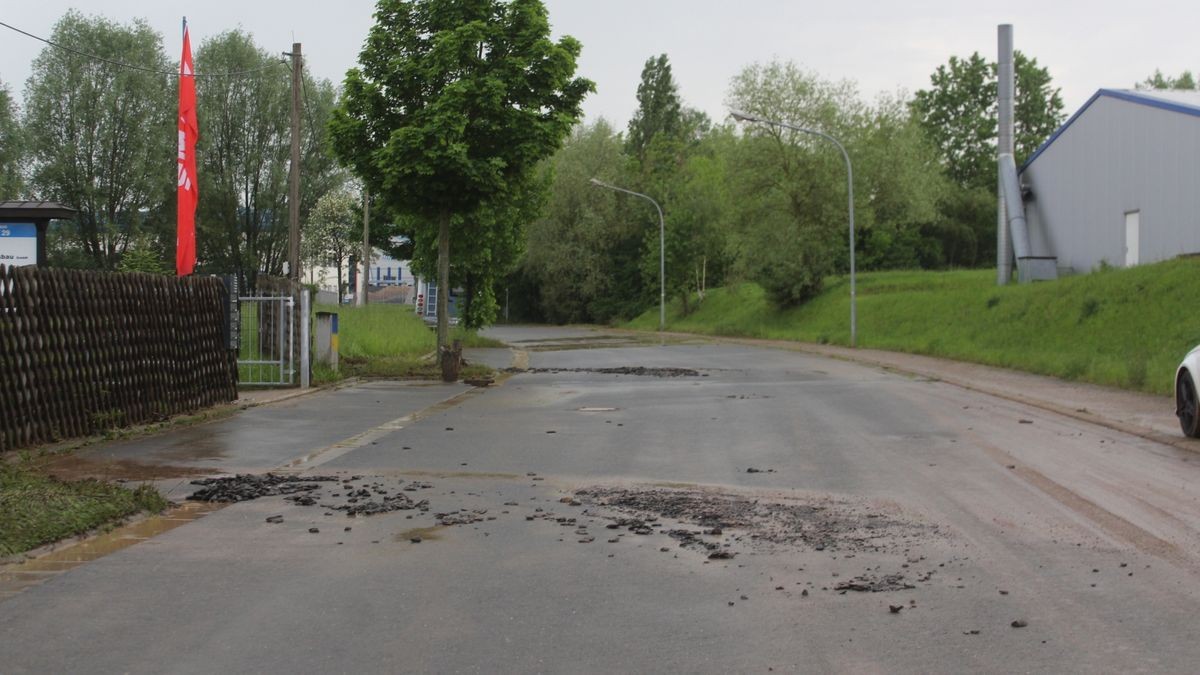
(745, 117)
(662, 251)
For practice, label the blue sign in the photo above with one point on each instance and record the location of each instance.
(18, 244)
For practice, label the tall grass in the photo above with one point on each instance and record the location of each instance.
(381, 330)
(385, 340)
(36, 509)
(1122, 327)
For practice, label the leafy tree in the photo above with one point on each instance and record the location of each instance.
(243, 154)
(97, 131)
(333, 232)
(497, 232)
(1185, 80)
(12, 147)
(958, 112)
(695, 233)
(792, 211)
(790, 214)
(453, 102)
(659, 111)
(898, 170)
(581, 254)
(1037, 106)
(141, 256)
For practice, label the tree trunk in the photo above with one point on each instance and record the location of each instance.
(443, 296)
(340, 287)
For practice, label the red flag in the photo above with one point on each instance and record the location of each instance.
(188, 191)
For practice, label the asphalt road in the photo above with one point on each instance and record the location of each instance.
(958, 513)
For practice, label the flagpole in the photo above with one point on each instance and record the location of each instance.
(187, 191)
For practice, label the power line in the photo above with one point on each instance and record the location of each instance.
(133, 66)
(308, 114)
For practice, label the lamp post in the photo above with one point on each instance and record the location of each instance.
(662, 250)
(745, 117)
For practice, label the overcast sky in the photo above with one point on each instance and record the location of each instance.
(883, 46)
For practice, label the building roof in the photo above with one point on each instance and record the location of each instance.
(1175, 100)
(36, 210)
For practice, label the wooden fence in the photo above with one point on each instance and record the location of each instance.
(82, 352)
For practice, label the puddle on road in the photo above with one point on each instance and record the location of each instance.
(432, 533)
(76, 467)
(458, 474)
(17, 577)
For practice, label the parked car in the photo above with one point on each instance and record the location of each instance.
(1187, 403)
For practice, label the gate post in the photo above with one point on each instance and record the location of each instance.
(305, 351)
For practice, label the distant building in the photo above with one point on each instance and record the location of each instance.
(388, 279)
(387, 271)
(1119, 183)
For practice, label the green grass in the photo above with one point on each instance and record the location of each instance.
(390, 341)
(1127, 328)
(37, 510)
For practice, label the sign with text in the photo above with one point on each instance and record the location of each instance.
(18, 244)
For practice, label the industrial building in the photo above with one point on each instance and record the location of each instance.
(1117, 184)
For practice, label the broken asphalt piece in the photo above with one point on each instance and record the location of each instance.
(313, 530)
(396, 502)
(415, 540)
(895, 609)
(1025, 421)
(274, 519)
(870, 584)
(461, 517)
(1020, 623)
(244, 487)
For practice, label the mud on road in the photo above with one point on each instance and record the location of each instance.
(817, 523)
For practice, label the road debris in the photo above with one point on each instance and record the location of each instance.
(820, 523)
(244, 487)
(872, 584)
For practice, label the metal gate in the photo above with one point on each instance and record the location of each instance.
(266, 350)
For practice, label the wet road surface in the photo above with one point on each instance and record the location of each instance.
(770, 510)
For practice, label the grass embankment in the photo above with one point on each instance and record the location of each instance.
(392, 341)
(36, 509)
(1127, 328)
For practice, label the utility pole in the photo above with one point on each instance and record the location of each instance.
(294, 173)
(366, 249)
